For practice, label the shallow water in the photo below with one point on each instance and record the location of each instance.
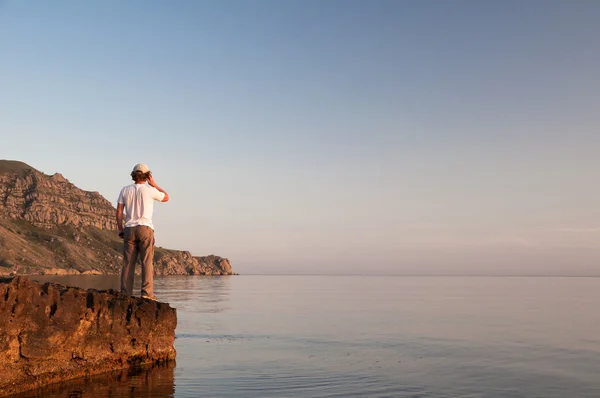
(371, 336)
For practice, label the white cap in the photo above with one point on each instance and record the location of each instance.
(141, 167)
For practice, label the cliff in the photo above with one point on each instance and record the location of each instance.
(47, 201)
(50, 333)
(50, 226)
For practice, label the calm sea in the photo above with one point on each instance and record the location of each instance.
(369, 336)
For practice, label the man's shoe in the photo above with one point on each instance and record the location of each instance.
(149, 297)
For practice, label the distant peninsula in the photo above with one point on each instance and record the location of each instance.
(50, 226)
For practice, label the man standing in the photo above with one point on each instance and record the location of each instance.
(138, 201)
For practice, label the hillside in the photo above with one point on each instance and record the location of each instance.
(49, 226)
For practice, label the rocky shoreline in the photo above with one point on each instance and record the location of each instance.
(51, 333)
(177, 263)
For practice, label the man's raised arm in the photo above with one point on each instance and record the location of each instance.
(154, 185)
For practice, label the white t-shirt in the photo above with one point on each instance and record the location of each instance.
(139, 204)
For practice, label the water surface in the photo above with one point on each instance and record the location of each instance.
(377, 336)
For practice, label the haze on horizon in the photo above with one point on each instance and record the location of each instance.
(333, 137)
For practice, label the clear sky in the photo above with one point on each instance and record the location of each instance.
(324, 136)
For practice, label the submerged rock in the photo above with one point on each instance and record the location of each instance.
(52, 332)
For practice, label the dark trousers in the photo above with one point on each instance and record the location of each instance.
(138, 241)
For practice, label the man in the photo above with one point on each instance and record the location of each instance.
(138, 201)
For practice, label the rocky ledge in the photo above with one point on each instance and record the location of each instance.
(51, 332)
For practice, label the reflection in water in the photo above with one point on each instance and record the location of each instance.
(208, 294)
(154, 381)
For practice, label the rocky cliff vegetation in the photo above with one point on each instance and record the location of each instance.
(50, 333)
(49, 226)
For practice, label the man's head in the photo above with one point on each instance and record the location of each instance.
(140, 173)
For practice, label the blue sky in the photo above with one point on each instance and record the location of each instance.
(324, 136)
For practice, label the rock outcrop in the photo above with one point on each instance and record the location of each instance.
(51, 333)
(183, 263)
(49, 226)
(49, 201)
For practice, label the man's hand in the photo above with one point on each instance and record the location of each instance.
(151, 181)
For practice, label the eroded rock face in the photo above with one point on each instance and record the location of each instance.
(48, 201)
(51, 332)
(174, 262)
